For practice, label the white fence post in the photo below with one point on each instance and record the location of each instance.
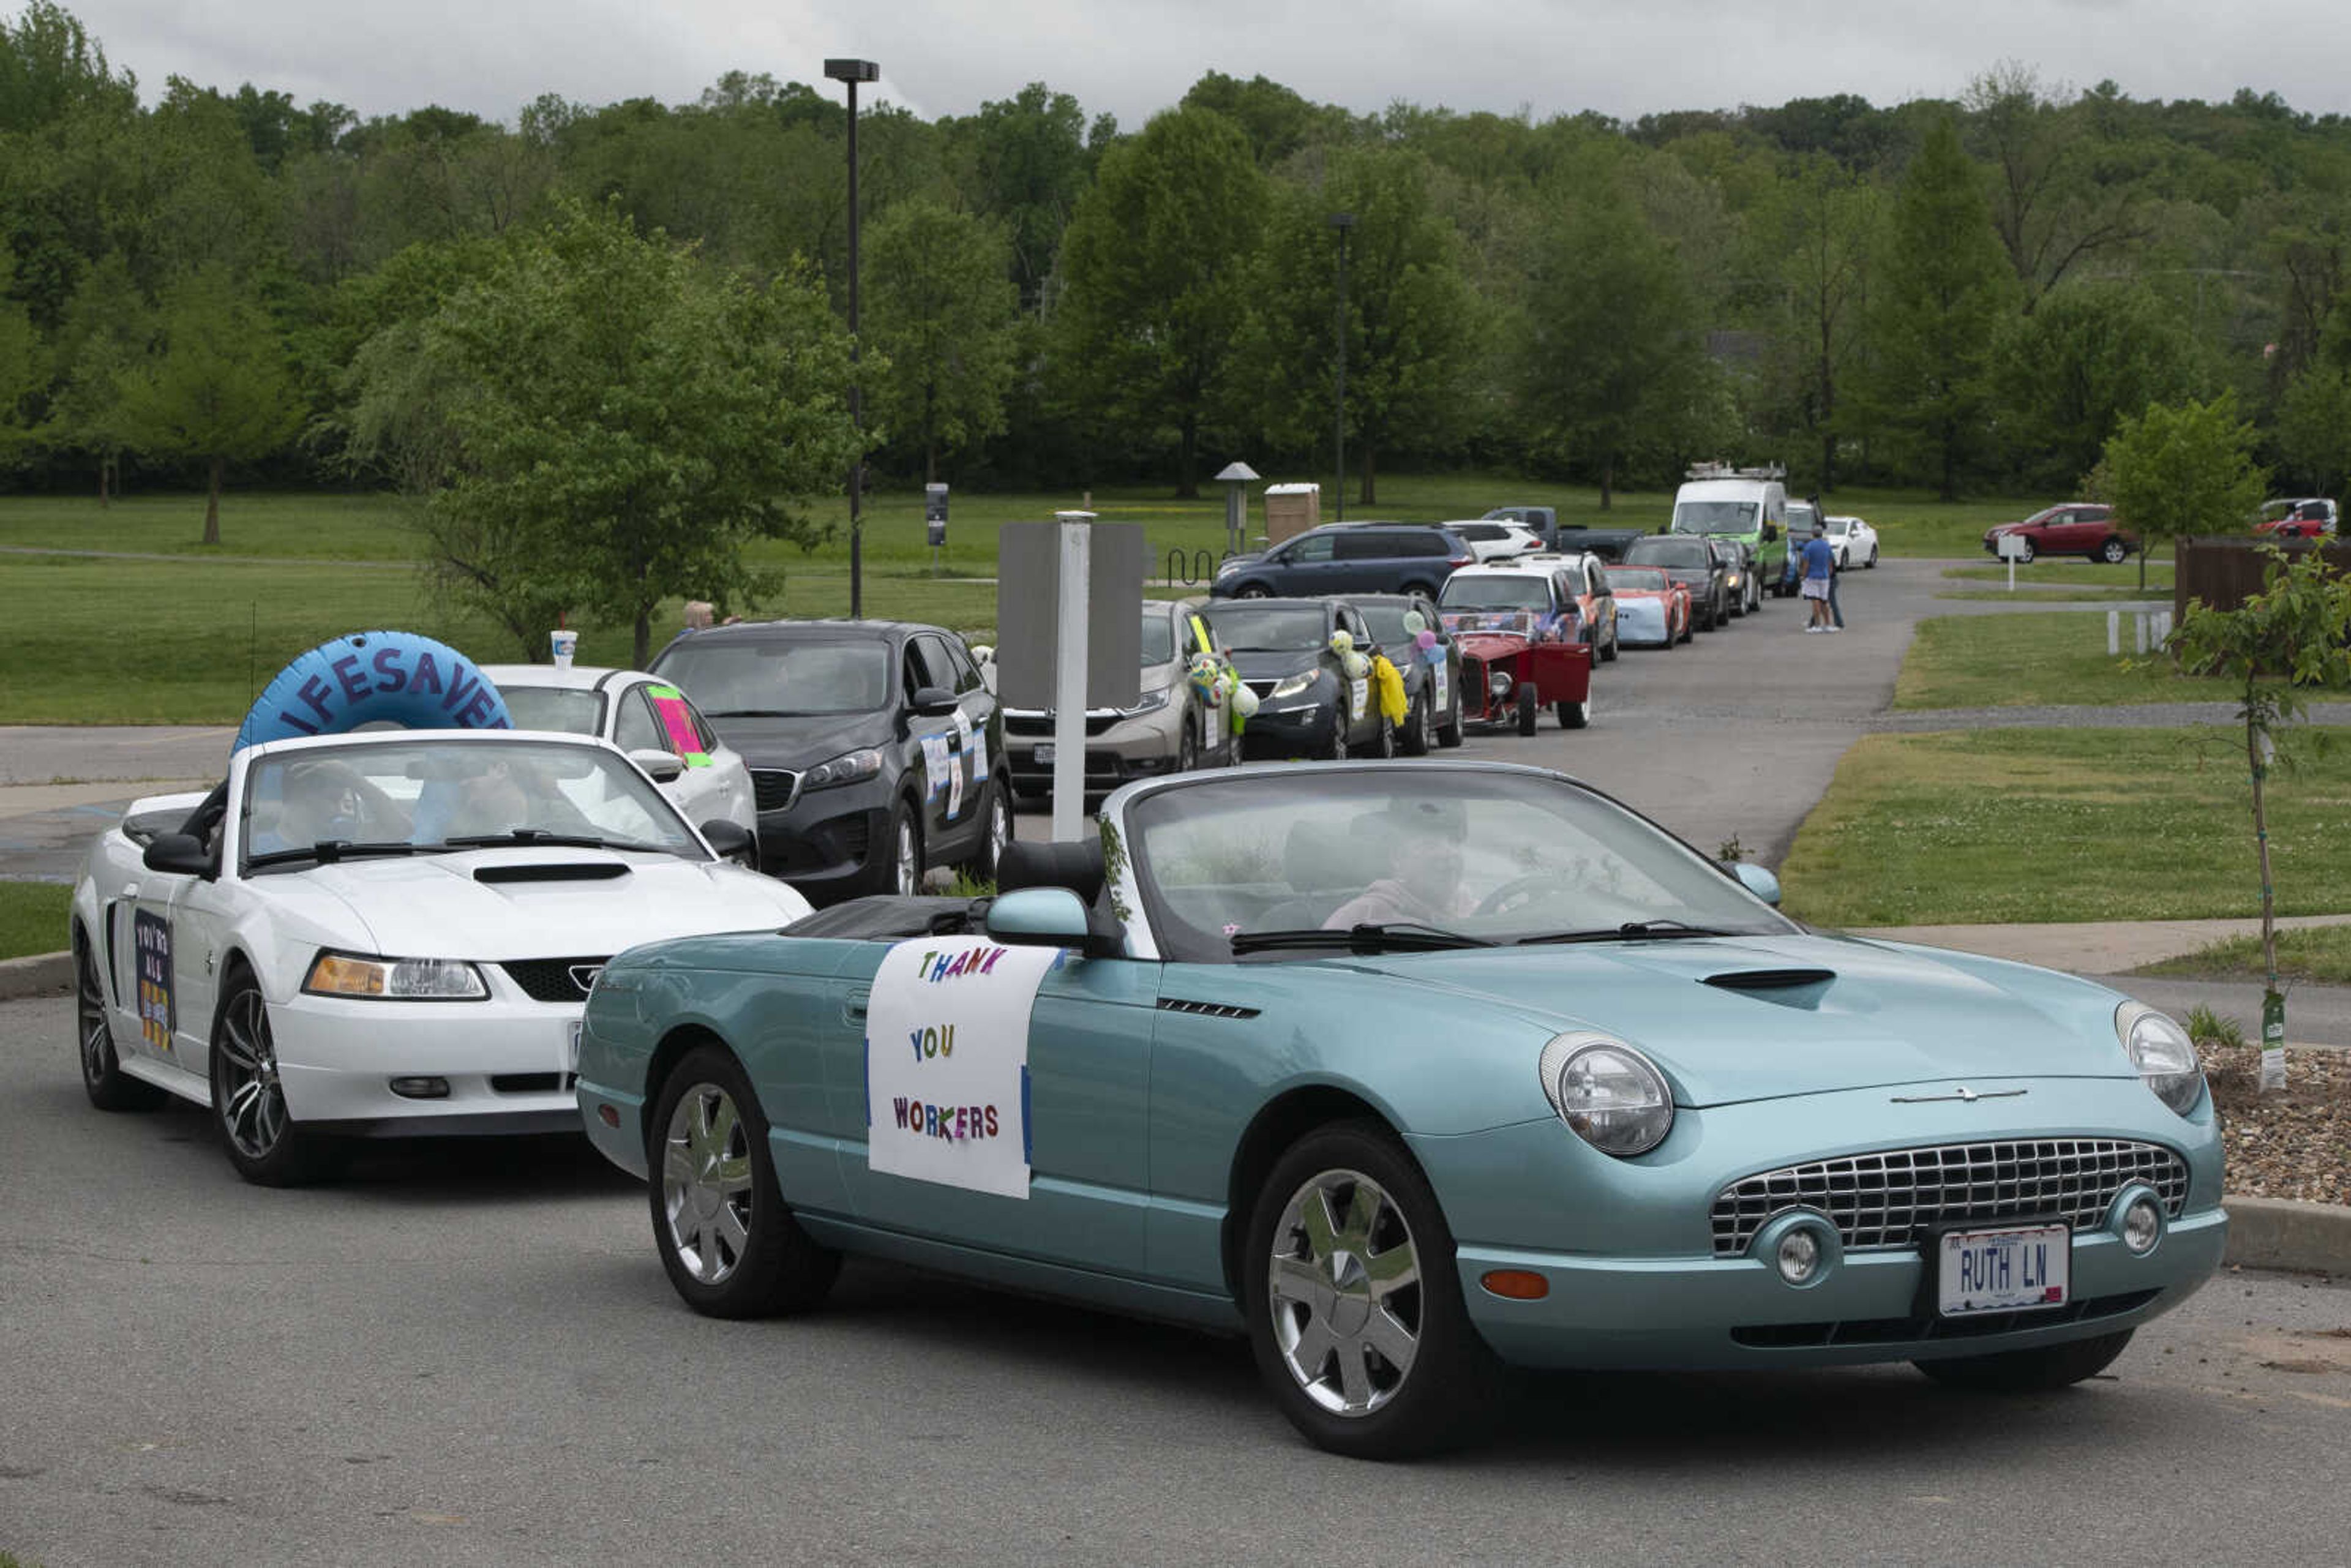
(2114, 634)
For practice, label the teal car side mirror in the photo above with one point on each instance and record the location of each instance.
(1050, 917)
(1758, 882)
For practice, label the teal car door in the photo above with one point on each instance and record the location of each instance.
(1087, 1079)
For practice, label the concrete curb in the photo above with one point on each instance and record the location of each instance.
(42, 975)
(2285, 1233)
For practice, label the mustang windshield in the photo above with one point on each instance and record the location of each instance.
(1461, 853)
(432, 794)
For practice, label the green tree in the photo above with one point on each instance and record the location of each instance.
(24, 372)
(2182, 469)
(2314, 415)
(220, 390)
(940, 312)
(102, 337)
(1414, 324)
(1024, 162)
(2067, 374)
(2052, 206)
(1157, 259)
(1610, 355)
(1817, 230)
(2287, 640)
(1938, 301)
(607, 421)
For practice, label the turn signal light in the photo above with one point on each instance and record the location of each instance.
(1517, 1284)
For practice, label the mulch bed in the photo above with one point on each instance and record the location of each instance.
(2291, 1142)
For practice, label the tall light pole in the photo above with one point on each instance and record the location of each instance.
(1342, 221)
(851, 72)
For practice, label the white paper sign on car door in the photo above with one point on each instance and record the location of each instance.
(946, 1061)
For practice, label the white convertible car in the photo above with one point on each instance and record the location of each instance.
(384, 935)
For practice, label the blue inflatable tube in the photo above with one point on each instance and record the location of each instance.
(373, 677)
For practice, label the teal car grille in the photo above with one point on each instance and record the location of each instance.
(1887, 1199)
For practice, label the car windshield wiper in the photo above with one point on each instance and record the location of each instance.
(325, 852)
(1631, 931)
(528, 836)
(1396, 936)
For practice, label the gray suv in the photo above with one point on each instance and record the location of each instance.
(1171, 728)
(1348, 558)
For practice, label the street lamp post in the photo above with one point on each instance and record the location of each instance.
(1342, 221)
(851, 72)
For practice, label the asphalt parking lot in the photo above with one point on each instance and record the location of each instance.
(468, 1353)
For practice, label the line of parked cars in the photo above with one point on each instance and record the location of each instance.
(2091, 529)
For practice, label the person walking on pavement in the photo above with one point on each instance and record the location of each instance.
(1836, 570)
(1820, 573)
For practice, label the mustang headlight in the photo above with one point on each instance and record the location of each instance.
(2164, 1055)
(1296, 685)
(848, 768)
(1607, 1093)
(394, 979)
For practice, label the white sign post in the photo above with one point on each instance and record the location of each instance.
(1076, 530)
(2011, 550)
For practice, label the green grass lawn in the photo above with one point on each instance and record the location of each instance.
(33, 918)
(2319, 955)
(2022, 661)
(2033, 824)
(2074, 575)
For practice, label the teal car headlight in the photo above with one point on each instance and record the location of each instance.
(1295, 686)
(2164, 1055)
(1609, 1094)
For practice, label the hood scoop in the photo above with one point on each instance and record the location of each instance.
(1789, 988)
(557, 871)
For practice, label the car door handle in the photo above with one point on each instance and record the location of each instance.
(852, 1010)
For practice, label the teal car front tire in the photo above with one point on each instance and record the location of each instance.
(729, 1244)
(1354, 1304)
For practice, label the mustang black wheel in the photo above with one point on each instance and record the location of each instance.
(1354, 1310)
(102, 1078)
(265, 1142)
(2029, 1371)
(729, 1243)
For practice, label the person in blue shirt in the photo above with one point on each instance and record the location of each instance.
(1819, 565)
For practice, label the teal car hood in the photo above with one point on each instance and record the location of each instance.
(1724, 1021)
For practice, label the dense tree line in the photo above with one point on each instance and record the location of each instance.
(216, 285)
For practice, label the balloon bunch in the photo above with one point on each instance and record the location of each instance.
(1218, 682)
(1423, 638)
(1342, 643)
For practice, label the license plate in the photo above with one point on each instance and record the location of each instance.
(2003, 1270)
(1044, 753)
(572, 1047)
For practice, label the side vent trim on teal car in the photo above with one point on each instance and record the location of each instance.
(1206, 1009)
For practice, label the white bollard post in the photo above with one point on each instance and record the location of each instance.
(1070, 682)
(2114, 634)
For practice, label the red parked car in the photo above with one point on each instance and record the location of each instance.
(2076, 528)
(2306, 518)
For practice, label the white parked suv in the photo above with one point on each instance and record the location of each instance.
(660, 728)
(1492, 539)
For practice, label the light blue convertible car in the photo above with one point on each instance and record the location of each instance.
(1412, 1072)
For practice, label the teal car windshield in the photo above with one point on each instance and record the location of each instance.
(1500, 857)
(1715, 517)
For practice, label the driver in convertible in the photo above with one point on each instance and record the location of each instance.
(1423, 887)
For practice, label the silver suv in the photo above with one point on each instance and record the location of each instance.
(1172, 728)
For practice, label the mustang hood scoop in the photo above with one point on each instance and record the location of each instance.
(573, 871)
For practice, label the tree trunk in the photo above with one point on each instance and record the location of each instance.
(105, 500)
(2271, 1078)
(1188, 483)
(1369, 493)
(1607, 482)
(1950, 466)
(930, 436)
(1828, 462)
(212, 506)
(645, 635)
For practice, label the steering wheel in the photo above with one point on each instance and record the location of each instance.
(1531, 886)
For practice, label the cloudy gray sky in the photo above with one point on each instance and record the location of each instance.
(938, 57)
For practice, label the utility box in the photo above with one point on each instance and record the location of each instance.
(935, 515)
(1290, 510)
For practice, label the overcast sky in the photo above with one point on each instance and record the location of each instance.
(1624, 58)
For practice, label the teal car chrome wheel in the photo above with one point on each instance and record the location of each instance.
(1343, 1287)
(707, 1184)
